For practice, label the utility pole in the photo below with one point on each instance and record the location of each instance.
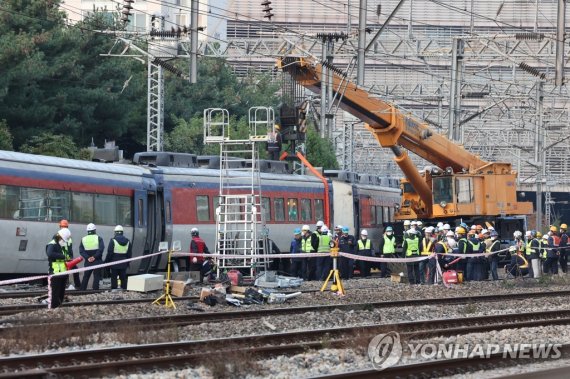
(361, 43)
(454, 132)
(538, 152)
(324, 89)
(560, 39)
(194, 41)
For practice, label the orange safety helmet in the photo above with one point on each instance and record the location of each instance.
(64, 224)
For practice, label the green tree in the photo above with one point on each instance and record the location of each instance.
(320, 151)
(5, 136)
(55, 81)
(55, 145)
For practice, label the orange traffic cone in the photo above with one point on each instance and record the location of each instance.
(72, 263)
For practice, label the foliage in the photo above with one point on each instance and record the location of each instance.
(5, 136)
(320, 151)
(56, 145)
(56, 82)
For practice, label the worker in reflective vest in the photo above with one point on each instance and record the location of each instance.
(493, 245)
(427, 247)
(91, 249)
(56, 251)
(364, 249)
(411, 247)
(387, 248)
(552, 254)
(440, 251)
(324, 264)
(120, 248)
(306, 248)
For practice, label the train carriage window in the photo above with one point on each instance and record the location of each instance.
(386, 214)
(391, 214)
(379, 218)
(124, 211)
(372, 215)
(33, 204)
(216, 201)
(58, 205)
(140, 220)
(9, 199)
(203, 208)
(319, 209)
(292, 209)
(105, 210)
(167, 211)
(266, 204)
(306, 210)
(278, 205)
(82, 207)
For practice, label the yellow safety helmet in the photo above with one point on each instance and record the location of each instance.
(563, 226)
(538, 235)
(460, 230)
(553, 228)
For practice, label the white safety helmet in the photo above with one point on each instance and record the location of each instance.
(364, 232)
(118, 229)
(407, 223)
(65, 234)
(527, 234)
(413, 223)
(450, 234)
(320, 224)
(305, 228)
(324, 229)
(91, 227)
(194, 232)
(419, 223)
(517, 234)
(491, 228)
(473, 227)
(440, 225)
(446, 227)
(485, 231)
(429, 229)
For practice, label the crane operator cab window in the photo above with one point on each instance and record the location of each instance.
(443, 190)
(464, 189)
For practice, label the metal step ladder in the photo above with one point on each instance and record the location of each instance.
(240, 221)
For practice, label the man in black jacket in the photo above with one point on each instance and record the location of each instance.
(56, 251)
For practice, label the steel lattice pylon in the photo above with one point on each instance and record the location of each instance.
(155, 114)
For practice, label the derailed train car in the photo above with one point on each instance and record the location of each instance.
(159, 199)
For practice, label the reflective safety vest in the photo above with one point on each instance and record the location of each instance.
(120, 249)
(525, 264)
(389, 245)
(59, 264)
(90, 242)
(412, 246)
(362, 246)
(475, 246)
(528, 250)
(426, 250)
(490, 248)
(541, 249)
(306, 245)
(324, 243)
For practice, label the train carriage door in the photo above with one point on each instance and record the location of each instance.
(146, 226)
(159, 229)
(357, 215)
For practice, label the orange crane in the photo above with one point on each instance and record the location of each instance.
(462, 184)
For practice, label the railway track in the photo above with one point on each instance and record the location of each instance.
(177, 355)
(197, 318)
(458, 366)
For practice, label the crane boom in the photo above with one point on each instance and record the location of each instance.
(464, 184)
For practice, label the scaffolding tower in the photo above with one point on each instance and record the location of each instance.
(240, 216)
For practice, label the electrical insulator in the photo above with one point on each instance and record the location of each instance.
(126, 12)
(267, 9)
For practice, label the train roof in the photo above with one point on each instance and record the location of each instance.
(216, 173)
(42, 160)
